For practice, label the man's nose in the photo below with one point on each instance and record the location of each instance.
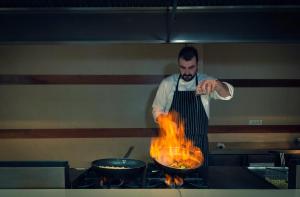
(187, 72)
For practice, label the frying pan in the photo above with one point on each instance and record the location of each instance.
(119, 167)
(175, 171)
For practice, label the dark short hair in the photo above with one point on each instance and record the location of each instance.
(187, 53)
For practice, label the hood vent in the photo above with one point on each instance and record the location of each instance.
(139, 3)
(149, 21)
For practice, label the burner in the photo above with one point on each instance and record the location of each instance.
(188, 183)
(105, 182)
(87, 180)
(156, 178)
(90, 180)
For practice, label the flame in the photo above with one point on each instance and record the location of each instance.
(173, 181)
(178, 180)
(171, 148)
(168, 180)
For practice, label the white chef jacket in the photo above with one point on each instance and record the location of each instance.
(164, 96)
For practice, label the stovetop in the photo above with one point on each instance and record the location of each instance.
(153, 177)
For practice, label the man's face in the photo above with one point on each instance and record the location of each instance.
(188, 69)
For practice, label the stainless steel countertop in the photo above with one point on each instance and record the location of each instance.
(148, 193)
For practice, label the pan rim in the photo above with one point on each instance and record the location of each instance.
(139, 163)
(181, 169)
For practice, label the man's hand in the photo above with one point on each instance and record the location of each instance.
(206, 86)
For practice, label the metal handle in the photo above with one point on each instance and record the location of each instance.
(128, 152)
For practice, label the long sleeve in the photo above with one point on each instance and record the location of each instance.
(164, 96)
(215, 94)
(160, 101)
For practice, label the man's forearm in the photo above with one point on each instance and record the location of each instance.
(222, 89)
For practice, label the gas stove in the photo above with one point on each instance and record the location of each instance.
(152, 178)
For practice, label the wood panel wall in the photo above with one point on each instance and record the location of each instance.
(132, 132)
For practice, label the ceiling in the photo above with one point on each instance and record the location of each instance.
(140, 3)
(149, 21)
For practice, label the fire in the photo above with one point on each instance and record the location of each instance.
(173, 182)
(178, 180)
(171, 148)
(168, 179)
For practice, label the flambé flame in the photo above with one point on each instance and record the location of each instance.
(171, 148)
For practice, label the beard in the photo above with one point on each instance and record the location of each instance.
(188, 77)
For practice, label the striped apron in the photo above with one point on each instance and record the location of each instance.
(191, 111)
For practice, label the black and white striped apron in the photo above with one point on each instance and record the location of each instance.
(191, 111)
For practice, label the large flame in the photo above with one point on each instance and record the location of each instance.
(171, 148)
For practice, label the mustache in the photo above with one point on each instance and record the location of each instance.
(188, 77)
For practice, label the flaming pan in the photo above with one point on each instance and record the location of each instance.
(119, 167)
(172, 170)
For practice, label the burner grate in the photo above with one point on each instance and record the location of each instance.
(155, 178)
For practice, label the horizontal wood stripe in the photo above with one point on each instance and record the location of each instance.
(80, 79)
(263, 82)
(77, 133)
(255, 129)
(250, 147)
(130, 79)
(136, 132)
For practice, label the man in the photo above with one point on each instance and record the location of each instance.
(189, 93)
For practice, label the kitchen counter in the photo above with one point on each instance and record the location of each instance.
(147, 193)
(227, 177)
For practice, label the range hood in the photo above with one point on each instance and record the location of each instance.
(151, 22)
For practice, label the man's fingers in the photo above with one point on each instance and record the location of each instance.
(212, 85)
(209, 88)
(206, 86)
(202, 84)
(198, 88)
(202, 89)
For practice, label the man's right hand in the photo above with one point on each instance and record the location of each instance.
(206, 86)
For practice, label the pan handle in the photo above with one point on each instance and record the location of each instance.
(128, 152)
